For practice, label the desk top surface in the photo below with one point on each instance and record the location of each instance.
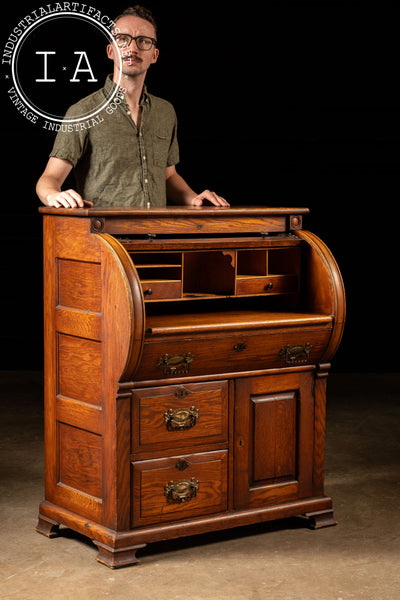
(175, 211)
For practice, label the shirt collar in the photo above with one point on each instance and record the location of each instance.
(109, 88)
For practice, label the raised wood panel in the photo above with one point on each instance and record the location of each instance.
(80, 460)
(79, 284)
(261, 404)
(274, 437)
(79, 367)
(74, 240)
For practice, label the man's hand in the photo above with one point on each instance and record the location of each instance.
(67, 199)
(179, 192)
(211, 197)
(48, 187)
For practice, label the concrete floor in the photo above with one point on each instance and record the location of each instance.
(358, 559)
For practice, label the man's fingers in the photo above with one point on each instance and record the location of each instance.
(67, 199)
(74, 199)
(211, 197)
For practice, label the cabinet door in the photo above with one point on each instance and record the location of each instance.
(274, 425)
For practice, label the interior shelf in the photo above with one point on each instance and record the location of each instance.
(193, 274)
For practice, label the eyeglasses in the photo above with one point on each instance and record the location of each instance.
(123, 40)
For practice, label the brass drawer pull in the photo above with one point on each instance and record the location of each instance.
(183, 418)
(181, 491)
(295, 355)
(178, 364)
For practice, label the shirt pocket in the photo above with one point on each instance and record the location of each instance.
(161, 144)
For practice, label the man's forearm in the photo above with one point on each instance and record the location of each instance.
(45, 186)
(49, 191)
(178, 191)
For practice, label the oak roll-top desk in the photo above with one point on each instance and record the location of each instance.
(186, 360)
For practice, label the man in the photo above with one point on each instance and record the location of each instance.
(128, 157)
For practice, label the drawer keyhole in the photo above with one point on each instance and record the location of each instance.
(182, 464)
(240, 347)
(181, 393)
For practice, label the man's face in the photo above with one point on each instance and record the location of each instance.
(134, 61)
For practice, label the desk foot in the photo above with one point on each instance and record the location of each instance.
(115, 558)
(47, 527)
(321, 518)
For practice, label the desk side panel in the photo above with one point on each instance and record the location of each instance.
(88, 311)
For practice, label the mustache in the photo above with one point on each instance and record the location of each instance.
(130, 55)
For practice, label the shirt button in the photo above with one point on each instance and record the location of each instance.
(146, 181)
(144, 158)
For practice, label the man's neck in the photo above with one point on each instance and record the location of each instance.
(133, 87)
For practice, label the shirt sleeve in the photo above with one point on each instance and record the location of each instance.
(71, 140)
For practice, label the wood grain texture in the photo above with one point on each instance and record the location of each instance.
(79, 285)
(80, 369)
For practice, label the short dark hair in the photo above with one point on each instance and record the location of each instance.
(139, 11)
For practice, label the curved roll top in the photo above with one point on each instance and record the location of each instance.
(123, 308)
(324, 288)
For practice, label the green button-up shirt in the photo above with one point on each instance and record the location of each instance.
(115, 162)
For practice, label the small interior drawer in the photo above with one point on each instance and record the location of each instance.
(272, 284)
(161, 290)
(179, 487)
(174, 416)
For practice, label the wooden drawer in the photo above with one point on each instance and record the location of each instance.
(179, 487)
(161, 290)
(273, 284)
(176, 416)
(246, 351)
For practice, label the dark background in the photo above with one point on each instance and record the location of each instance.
(279, 104)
